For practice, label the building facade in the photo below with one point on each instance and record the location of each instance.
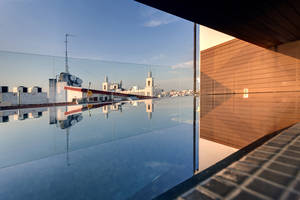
(149, 89)
(22, 96)
(111, 86)
(58, 92)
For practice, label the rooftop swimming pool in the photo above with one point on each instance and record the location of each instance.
(126, 150)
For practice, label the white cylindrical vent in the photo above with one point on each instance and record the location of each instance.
(79, 81)
(73, 78)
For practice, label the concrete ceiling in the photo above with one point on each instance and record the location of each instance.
(266, 23)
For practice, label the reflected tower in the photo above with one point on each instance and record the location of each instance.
(149, 107)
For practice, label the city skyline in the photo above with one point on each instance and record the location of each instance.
(39, 68)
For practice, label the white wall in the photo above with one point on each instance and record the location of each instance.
(74, 95)
(8, 99)
(60, 92)
(29, 98)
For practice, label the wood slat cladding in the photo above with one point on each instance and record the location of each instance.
(265, 23)
(236, 65)
(236, 121)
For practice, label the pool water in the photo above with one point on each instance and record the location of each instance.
(127, 150)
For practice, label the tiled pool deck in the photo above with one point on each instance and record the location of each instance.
(272, 171)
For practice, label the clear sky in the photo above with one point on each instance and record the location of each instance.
(114, 30)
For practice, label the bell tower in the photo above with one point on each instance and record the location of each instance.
(105, 84)
(149, 85)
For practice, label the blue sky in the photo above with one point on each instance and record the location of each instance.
(117, 30)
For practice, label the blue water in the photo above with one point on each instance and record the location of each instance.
(137, 151)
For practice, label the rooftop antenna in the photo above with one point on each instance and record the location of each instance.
(66, 59)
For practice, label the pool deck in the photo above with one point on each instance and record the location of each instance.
(271, 171)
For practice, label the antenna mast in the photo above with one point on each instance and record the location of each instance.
(66, 59)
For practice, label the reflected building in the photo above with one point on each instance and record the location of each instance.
(70, 121)
(149, 107)
(65, 117)
(111, 108)
(68, 116)
(21, 114)
(4, 115)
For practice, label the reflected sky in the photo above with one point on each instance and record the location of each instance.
(127, 150)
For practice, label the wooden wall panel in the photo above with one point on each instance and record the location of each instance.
(272, 77)
(234, 65)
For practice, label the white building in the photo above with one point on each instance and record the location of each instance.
(22, 95)
(110, 86)
(57, 91)
(67, 88)
(147, 91)
(7, 98)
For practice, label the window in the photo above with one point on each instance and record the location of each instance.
(4, 89)
(149, 83)
(104, 87)
(5, 119)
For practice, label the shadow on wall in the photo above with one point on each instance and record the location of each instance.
(291, 49)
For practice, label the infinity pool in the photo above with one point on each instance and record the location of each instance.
(127, 150)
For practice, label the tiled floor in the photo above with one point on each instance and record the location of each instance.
(272, 171)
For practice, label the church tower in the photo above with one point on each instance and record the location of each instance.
(105, 84)
(149, 89)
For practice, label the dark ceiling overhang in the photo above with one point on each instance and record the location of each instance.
(266, 23)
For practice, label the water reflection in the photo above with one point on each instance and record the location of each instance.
(129, 149)
(21, 114)
(67, 117)
(119, 151)
(236, 120)
(133, 153)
